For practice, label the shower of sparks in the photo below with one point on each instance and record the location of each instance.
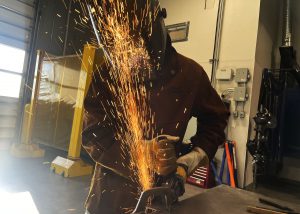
(130, 65)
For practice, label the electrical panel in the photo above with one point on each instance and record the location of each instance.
(242, 114)
(242, 75)
(240, 94)
(224, 74)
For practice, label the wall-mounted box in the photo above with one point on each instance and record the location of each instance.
(242, 75)
(179, 32)
(224, 74)
(240, 94)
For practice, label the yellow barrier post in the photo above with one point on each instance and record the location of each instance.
(26, 149)
(73, 165)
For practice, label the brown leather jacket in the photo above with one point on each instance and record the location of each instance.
(182, 92)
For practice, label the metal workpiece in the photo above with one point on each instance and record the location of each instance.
(159, 199)
(161, 205)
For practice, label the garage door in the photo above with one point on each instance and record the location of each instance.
(16, 18)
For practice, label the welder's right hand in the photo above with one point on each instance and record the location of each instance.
(162, 149)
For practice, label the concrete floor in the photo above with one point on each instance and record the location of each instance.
(54, 194)
(51, 193)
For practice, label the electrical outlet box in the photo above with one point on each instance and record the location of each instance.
(240, 94)
(235, 114)
(224, 74)
(242, 75)
(242, 114)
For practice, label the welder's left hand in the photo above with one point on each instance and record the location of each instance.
(186, 164)
(189, 162)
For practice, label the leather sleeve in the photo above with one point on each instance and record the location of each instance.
(97, 135)
(211, 116)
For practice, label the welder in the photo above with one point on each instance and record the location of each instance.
(180, 89)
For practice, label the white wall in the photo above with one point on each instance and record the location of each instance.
(200, 44)
(238, 45)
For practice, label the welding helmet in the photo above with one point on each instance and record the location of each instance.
(146, 20)
(157, 41)
(152, 28)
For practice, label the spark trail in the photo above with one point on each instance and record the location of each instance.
(129, 63)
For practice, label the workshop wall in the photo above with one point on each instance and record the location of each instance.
(295, 20)
(267, 52)
(269, 40)
(266, 45)
(296, 27)
(278, 19)
(52, 26)
(62, 27)
(237, 50)
(200, 44)
(291, 166)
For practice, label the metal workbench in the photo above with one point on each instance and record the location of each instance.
(224, 199)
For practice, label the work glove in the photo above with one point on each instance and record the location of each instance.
(189, 162)
(186, 164)
(162, 150)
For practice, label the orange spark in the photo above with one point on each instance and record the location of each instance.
(129, 64)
